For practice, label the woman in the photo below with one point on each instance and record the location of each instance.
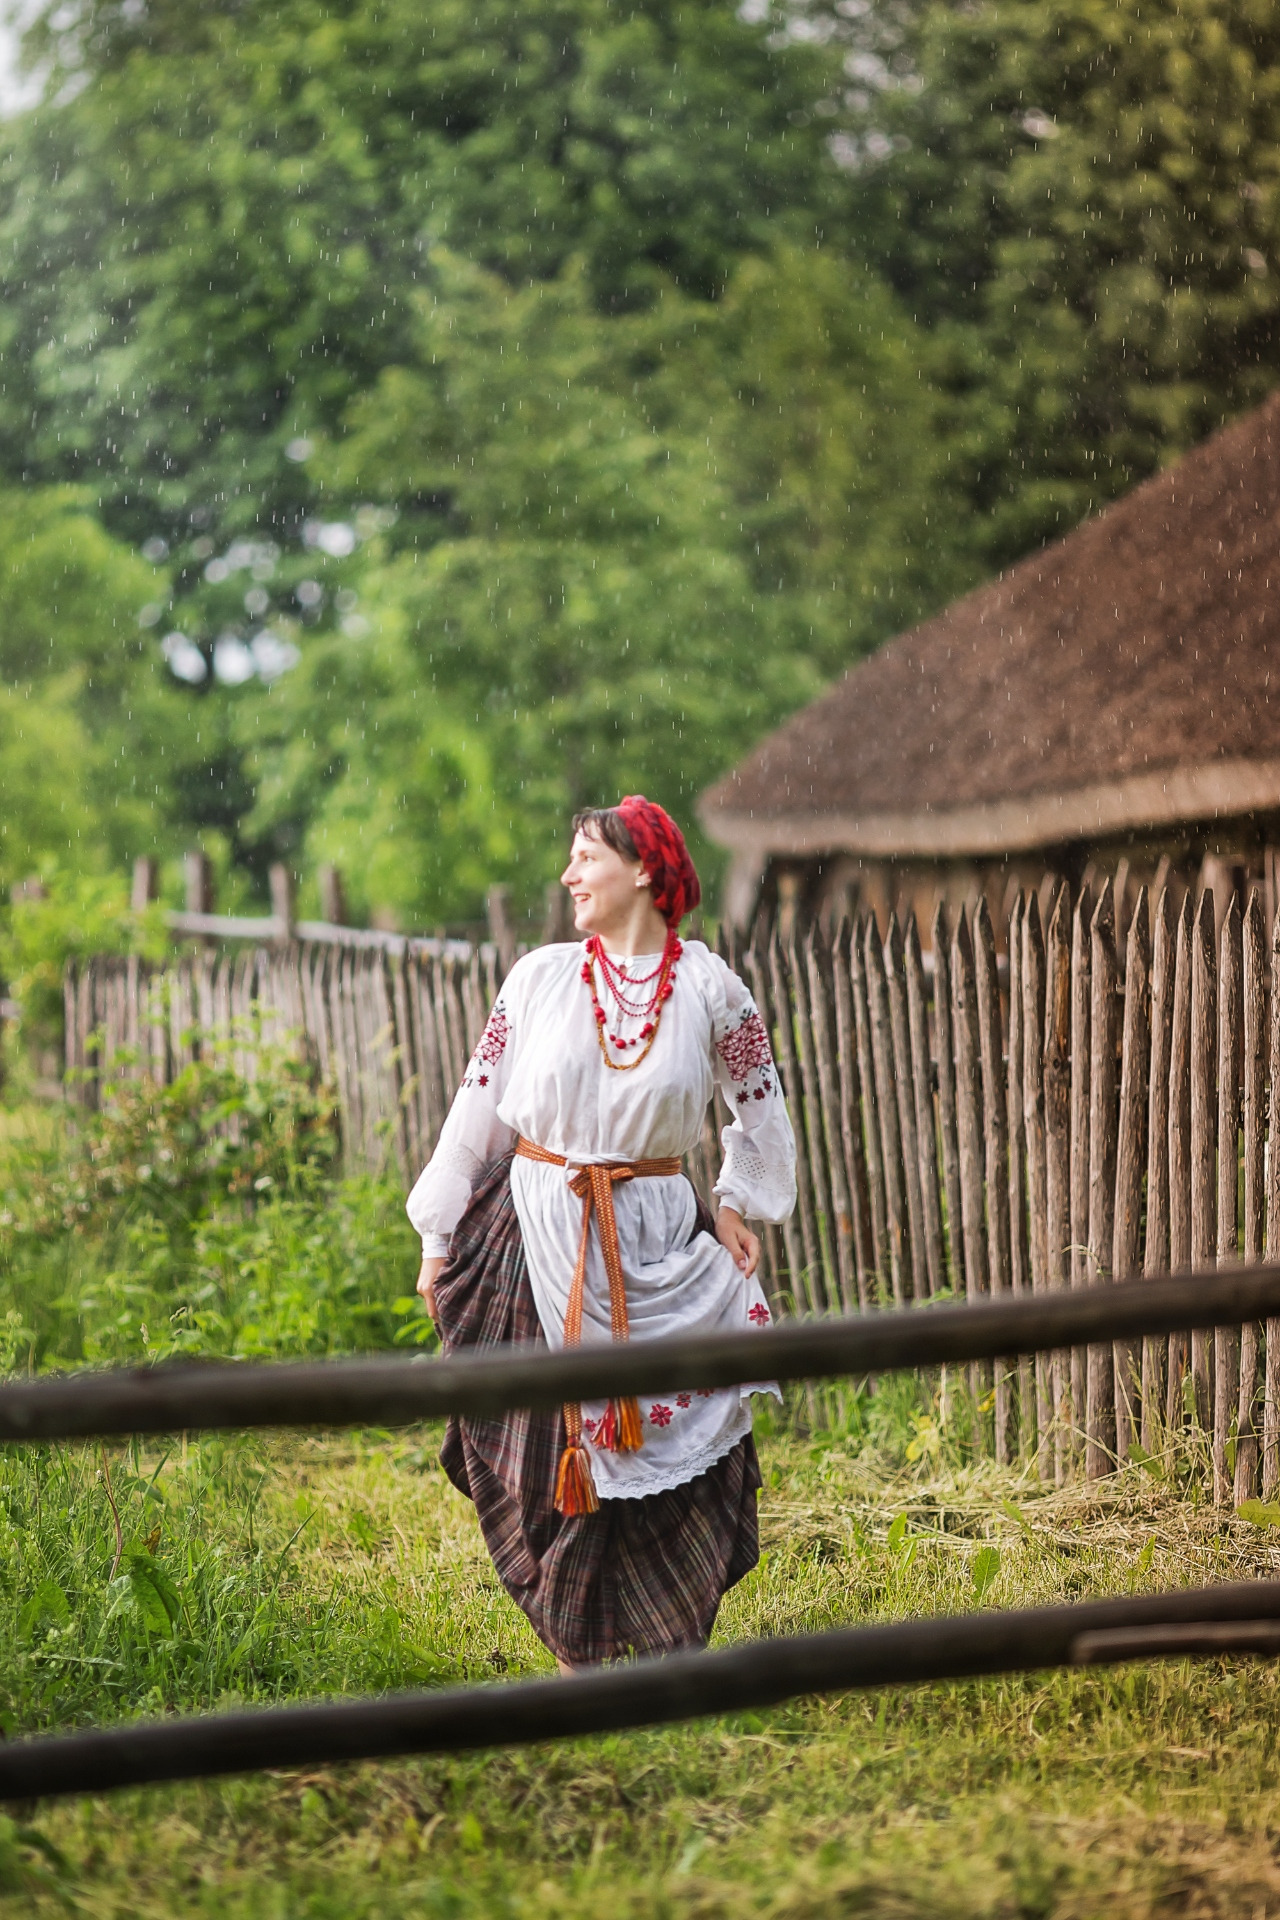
(554, 1209)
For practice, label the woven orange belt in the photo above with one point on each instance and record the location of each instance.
(620, 1431)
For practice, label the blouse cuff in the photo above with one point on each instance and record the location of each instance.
(435, 1246)
(729, 1197)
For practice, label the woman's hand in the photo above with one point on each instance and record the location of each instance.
(428, 1274)
(732, 1232)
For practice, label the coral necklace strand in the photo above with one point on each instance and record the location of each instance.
(664, 974)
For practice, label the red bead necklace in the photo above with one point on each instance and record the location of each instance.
(617, 985)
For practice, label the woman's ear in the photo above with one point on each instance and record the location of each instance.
(643, 879)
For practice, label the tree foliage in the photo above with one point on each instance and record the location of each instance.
(597, 577)
(1082, 199)
(84, 709)
(569, 389)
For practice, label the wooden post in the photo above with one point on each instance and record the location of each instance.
(926, 1127)
(1271, 1387)
(804, 1285)
(756, 963)
(1100, 1406)
(1131, 1160)
(1156, 1252)
(1019, 1256)
(1033, 1126)
(904, 1080)
(995, 1151)
(1180, 1155)
(281, 882)
(887, 1101)
(1204, 1117)
(557, 914)
(789, 903)
(145, 883)
(333, 896)
(497, 904)
(822, 1018)
(942, 1023)
(198, 874)
(1254, 1091)
(1057, 1135)
(851, 1115)
(824, 1283)
(969, 1127)
(1081, 1005)
(870, 1107)
(1226, 1340)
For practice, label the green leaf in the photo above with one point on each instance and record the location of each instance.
(986, 1565)
(48, 1603)
(1147, 1461)
(1260, 1513)
(155, 1598)
(1015, 1513)
(897, 1533)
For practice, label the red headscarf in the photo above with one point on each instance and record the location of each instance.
(673, 878)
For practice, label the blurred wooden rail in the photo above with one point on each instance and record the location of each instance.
(1070, 1110)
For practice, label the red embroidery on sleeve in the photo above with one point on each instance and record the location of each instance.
(493, 1044)
(759, 1314)
(745, 1049)
(660, 1415)
(493, 1041)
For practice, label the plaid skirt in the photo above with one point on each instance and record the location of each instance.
(641, 1576)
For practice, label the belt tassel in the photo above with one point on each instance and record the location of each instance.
(622, 1429)
(575, 1488)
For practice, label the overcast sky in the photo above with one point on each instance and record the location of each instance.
(15, 92)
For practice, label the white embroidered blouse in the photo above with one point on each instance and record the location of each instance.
(538, 1071)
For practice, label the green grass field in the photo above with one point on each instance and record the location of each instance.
(264, 1569)
(309, 1566)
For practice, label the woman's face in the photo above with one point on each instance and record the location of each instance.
(602, 884)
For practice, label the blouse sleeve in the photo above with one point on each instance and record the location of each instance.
(472, 1137)
(759, 1172)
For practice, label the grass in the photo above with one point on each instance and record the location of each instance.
(308, 1566)
(263, 1569)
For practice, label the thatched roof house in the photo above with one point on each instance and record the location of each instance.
(1116, 694)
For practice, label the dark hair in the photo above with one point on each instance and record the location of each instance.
(606, 823)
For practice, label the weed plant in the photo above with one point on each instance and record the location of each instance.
(208, 1216)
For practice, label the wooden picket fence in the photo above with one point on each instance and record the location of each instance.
(389, 1023)
(1071, 1111)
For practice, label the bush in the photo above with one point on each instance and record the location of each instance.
(80, 914)
(205, 1217)
(171, 1152)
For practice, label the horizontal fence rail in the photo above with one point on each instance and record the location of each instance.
(1240, 1618)
(186, 1397)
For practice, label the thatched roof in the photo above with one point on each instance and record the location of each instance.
(1119, 679)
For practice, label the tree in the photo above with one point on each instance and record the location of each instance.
(214, 232)
(1081, 199)
(89, 733)
(621, 547)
